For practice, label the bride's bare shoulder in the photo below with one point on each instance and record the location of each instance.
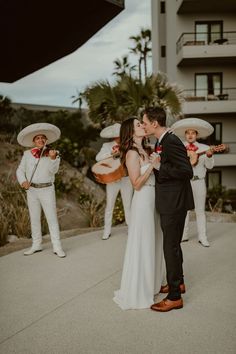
(132, 160)
(132, 155)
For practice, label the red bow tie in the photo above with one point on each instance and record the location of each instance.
(191, 147)
(36, 152)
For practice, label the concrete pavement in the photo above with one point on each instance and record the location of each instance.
(64, 306)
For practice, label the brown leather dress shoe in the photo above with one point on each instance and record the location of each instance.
(167, 305)
(165, 289)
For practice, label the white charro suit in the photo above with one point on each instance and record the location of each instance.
(39, 198)
(112, 189)
(199, 192)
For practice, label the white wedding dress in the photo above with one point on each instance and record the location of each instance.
(143, 268)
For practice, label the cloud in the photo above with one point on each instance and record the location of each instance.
(56, 83)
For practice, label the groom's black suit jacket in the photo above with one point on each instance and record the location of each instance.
(173, 188)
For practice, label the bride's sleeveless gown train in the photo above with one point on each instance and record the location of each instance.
(143, 267)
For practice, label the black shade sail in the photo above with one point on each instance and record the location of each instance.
(35, 33)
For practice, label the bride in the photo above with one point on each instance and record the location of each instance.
(143, 263)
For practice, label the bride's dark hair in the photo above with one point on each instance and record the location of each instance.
(126, 139)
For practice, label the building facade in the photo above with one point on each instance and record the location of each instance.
(194, 43)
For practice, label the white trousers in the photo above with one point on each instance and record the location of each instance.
(199, 196)
(112, 190)
(45, 198)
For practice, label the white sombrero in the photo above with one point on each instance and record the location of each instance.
(26, 136)
(203, 128)
(113, 131)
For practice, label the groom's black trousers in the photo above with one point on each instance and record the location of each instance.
(172, 226)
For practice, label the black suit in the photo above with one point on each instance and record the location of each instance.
(173, 198)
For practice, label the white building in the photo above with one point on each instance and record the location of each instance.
(194, 42)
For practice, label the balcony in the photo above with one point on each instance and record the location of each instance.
(228, 158)
(202, 6)
(194, 49)
(201, 102)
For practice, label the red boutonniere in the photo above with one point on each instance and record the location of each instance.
(158, 149)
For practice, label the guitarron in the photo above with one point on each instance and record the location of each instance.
(108, 170)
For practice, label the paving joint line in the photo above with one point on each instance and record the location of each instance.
(59, 306)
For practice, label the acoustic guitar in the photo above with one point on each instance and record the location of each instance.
(194, 156)
(108, 170)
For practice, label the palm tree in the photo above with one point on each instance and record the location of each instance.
(122, 66)
(142, 49)
(133, 94)
(78, 98)
(146, 49)
(109, 103)
(104, 103)
(166, 95)
(137, 50)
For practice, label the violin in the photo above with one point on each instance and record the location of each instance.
(194, 156)
(47, 149)
(44, 152)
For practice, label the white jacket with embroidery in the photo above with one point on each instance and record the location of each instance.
(45, 172)
(204, 162)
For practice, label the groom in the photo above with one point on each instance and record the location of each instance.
(173, 198)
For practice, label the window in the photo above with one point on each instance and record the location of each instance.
(213, 179)
(216, 137)
(208, 84)
(208, 31)
(163, 51)
(163, 7)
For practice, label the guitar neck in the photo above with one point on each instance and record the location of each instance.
(216, 148)
(201, 153)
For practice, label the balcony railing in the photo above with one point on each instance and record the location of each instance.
(231, 147)
(194, 95)
(205, 38)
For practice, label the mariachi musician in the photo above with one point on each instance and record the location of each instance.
(123, 185)
(36, 174)
(201, 159)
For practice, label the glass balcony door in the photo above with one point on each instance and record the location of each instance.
(208, 84)
(202, 33)
(208, 32)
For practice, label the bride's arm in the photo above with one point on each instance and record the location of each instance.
(133, 166)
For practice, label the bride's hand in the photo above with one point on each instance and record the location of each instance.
(155, 160)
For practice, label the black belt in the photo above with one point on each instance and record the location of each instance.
(40, 185)
(196, 178)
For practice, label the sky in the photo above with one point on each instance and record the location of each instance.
(56, 83)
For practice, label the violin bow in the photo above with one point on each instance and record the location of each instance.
(36, 165)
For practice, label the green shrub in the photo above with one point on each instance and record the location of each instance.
(92, 209)
(221, 199)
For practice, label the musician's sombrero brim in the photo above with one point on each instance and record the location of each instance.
(26, 136)
(113, 131)
(202, 127)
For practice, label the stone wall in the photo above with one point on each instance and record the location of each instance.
(215, 217)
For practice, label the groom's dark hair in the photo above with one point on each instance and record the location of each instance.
(155, 114)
